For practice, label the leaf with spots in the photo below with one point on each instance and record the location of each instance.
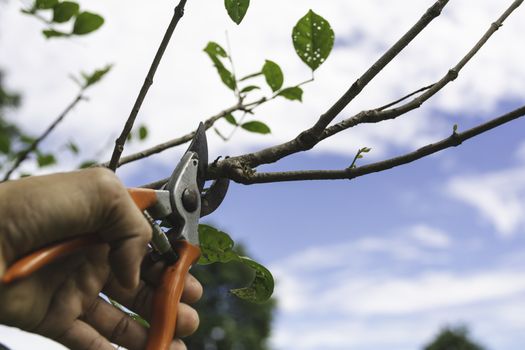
(237, 9)
(217, 246)
(313, 39)
(261, 288)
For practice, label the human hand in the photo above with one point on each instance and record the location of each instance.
(61, 301)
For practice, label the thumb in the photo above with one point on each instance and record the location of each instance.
(40, 210)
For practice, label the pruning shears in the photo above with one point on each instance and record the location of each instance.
(179, 205)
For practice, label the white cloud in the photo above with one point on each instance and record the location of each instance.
(498, 196)
(430, 236)
(181, 96)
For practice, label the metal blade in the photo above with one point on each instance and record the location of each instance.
(199, 145)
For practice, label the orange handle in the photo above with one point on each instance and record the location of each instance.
(144, 198)
(167, 297)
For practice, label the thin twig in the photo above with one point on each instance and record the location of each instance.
(378, 115)
(34, 145)
(208, 123)
(393, 103)
(119, 143)
(325, 119)
(454, 140)
(274, 153)
(309, 138)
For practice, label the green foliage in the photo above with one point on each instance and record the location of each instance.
(44, 160)
(130, 314)
(359, 155)
(5, 142)
(261, 288)
(45, 4)
(52, 33)
(256, 127)
(217, 247)
(230, 119)
(87, 164)
(87, 80)
(87, 22)
(215, 51)
(64, 11)
(71, 146)
(228, 322)
(273, 75)
(249, 88)
(143, 132)
(292, 93)
(453, 338)
(313, 39)
(237, 9)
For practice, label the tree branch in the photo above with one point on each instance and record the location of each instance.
(34, 145)
(433, 12)
(382, 114)
(309, 138)
(274, 153)
(454, 140)
(121, 140)
(208, 123)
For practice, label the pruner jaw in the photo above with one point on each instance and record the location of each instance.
(188, 198)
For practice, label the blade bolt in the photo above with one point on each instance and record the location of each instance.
(190, 200)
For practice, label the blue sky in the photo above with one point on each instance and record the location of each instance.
(379, 262)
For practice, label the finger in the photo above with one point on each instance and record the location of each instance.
(187, 320)
(151, 273)
(140, 299)
(115, 325)
(178, 344)
(81, 336)
(44, 209)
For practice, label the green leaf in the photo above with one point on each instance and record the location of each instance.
(27, 139)
(87, 164)
(44, 160)
(51, 33)
(257, 127)
(237, 9)
(273, 75)
(139, 319)
(87, 22)
(72, 147)
(249, 88)
(45, 4)
(216, 246)
(313, 39)
(143, 132)
(292, 93)
(226, 76)
(261, 288)
(215, 49)
(130, 314)
(5, 143)
(365, 149)
(64, 11)
(96, 76)
(230, 119)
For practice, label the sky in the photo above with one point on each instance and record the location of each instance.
(379, 262)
